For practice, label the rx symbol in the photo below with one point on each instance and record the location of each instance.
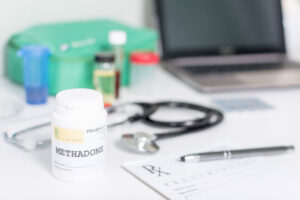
(155, 170)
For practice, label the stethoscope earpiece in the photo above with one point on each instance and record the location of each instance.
(26, 144)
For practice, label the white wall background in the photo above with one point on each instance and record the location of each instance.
(292, 27)
(16, 15)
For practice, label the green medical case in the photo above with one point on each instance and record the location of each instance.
(73, 46)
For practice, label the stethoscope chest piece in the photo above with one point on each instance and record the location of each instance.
(140, 142)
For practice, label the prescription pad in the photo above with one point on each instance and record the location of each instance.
(250, 178)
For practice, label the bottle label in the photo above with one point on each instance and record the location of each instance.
(78, 152)
(67, 135)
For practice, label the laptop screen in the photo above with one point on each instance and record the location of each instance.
(220, 27)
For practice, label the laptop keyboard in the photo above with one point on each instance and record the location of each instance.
(232, 68)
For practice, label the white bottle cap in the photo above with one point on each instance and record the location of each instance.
(79, 98)
(117, 37)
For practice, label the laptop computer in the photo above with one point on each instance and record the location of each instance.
(217, 45)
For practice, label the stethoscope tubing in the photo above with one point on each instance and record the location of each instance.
(211, 118)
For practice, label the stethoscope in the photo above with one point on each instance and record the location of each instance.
(137, 111)
(147, 143)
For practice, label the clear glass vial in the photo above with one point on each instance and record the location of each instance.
(104, 76)
(143, 72)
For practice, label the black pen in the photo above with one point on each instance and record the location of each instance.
(238, 153)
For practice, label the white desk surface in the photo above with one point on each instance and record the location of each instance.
(27, 175)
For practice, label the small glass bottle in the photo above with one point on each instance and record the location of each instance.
(117, 40)
(104, 76)
(143, 71)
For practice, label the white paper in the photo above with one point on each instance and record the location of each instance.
(250, 178)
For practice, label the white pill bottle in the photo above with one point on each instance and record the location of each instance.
(78, 135)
